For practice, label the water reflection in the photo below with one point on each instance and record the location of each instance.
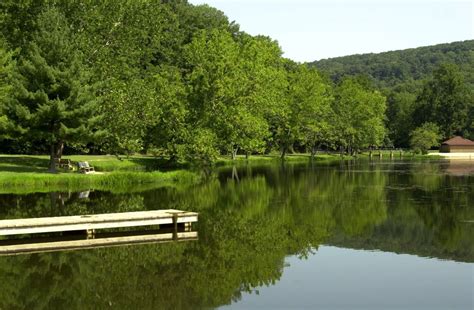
(251, 219)
(77, 241)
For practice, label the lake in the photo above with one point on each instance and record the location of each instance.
(344, 235)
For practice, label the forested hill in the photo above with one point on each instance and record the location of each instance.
(389, 69)
(431, 84)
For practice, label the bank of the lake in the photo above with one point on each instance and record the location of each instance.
(28, 173)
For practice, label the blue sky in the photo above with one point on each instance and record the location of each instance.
(310, 30)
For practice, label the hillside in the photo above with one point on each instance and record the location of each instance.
(417, 86)
(392, 68)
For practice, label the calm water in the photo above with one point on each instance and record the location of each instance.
(353, 235)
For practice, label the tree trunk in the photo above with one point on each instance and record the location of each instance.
(314, 150)
(55, 155)
(234, 153)
(283, 152)
(247, 154)
(291, 149)
(235, 175)
(57, 202)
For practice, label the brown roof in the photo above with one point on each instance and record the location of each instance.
(458, 141)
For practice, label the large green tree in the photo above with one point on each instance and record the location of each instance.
(446, 101)
(312, 98)
(170, 131)
(360, 116)
(424, 137)
(53, 102)
(213, 83)
(232, 86)
(7, 66)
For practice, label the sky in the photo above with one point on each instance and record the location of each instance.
(309, 30)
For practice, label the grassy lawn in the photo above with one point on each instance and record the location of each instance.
(28, 173)
(105, 163)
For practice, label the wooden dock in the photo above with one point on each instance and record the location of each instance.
(90, 223)
(18, 247)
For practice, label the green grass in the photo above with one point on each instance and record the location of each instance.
(29, 173)
(13, 182)
(38, 163)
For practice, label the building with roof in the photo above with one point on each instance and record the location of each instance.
(457, 145)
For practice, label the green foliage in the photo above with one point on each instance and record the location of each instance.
(201, 148)
(420, 85)
(7, 66)
(163, 76)
(360, 115)
(400, 110)
(311, 99)
(170, 129)
(446, 101)
(425, 137)
(391, 69)
(52, 100)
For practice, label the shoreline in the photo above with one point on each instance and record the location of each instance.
(455, 156)
(28, 173)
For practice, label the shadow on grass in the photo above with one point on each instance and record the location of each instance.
(23, 164)
(40, 165)
(162, 164)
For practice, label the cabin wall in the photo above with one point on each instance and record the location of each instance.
(456, 149)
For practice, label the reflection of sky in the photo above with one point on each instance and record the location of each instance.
(337, 278)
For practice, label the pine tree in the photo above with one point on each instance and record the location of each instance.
(7, 66)
(53, 101)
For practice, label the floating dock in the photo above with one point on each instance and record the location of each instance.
(91, 223)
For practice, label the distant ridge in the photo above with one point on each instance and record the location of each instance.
(388, 69)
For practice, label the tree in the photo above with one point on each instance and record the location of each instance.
(53, 100)
(401, 106)
(360, 115)
(424, 137)
(7, 66)
(262, 86)
(285, 115)
(128, 110)
(213, 85)
(446, 101)
(313, 97)
(201, 148)
(170, 131)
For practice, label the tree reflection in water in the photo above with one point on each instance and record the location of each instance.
(251, 218)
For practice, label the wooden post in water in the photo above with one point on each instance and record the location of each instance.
(90, 233)
(175, 226)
